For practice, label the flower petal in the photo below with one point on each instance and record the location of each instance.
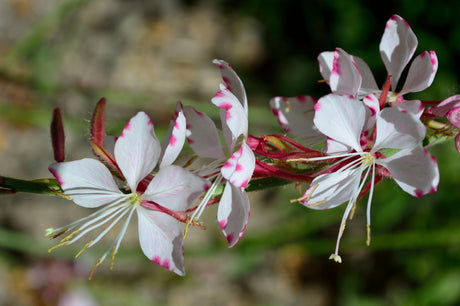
(233, 82)
(87, 182)
(415, 171)
(445, 106)
(295, 115)
(398, 130)
(373, 107)
(325, 61)
(421, 72)
(202, 134)
(368, 83)
(335, 147)
(332, 189)
(233, 213)
(137, 149)
(239, 167)
(175, 188)
(233, 116)
(341, 118)
(397, 46)
(414, 107)
(174, 139)
(345, 76)
(161, 239)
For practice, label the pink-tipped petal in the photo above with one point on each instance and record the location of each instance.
(414, 107)
(161, 239)
(373, 109)
(454, 116)
(341, 118)
(174, 139)
(233, 116)
(87, 182)
(415, 171)
(397, 46)
(175, 188)
(233, 82)
(202, 134)
(421, 72)
(233, 213)
(445, 106)
(239, 167)
(137, 149)
(398, 130)
(345, 76)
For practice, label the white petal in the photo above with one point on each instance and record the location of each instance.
(341, 118)
(415, 171)
(445, 106)
(239, 167)
(414, 107)
(174, 139)
(368, 83)
(372, 103)
(233, 116)
(87, 182)
(421, 72)
(325, 60)
(332, 189)
(137, 149)
(335, 147)
(202, 134)
(398, 130)
(233, 82)
(345, 76)
(175, 188)
(233, 213)
(397, 46)
(295, 115)
(161, 239)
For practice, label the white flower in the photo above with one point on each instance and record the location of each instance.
(359, 149)
(233, 162)
(348, 74)
(159, 204)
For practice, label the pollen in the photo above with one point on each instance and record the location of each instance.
(368, 159)
(135, 199)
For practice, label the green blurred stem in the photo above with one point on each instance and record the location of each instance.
(44, 186)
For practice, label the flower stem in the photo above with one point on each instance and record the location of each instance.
(12, 185)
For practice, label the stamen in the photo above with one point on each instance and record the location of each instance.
(57, 246)
(50, 231)
(68, 237)
(336, 258)
(197, 213)
(112, 257)
(368, 240)
(352, 213)
(317, 203)
(305, 196)
(84, 248)
(98, 262)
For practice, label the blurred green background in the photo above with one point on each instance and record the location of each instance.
(146, 55)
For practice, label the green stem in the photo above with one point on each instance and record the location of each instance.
(12, 185)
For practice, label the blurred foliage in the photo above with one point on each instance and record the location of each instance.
(414, 257)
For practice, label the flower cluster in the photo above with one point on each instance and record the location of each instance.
(135, 173)
(342, 145)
